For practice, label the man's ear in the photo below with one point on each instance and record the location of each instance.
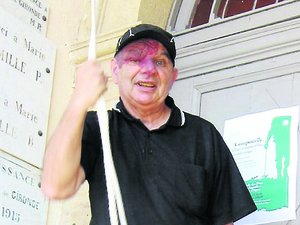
(114, 70)
(174, 77)
(175, 73)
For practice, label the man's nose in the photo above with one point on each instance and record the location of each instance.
(148, 66)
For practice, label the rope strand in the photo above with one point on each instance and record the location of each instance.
(115, 202)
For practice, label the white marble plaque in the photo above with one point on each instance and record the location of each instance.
(33, 13)
(26, 73)
(21, 199)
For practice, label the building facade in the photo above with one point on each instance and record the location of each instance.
(234, 58)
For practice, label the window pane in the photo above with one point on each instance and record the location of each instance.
(262, 3)
(235, 7)
(202, 12)
(225, 8)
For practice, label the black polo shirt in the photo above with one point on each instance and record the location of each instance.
(179, 174)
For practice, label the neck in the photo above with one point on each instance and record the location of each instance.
(151, 117)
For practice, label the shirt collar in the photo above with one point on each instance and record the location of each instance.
(177, 117)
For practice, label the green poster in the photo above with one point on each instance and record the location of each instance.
(266, 154)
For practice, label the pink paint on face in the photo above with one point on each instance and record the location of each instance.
(138, 52)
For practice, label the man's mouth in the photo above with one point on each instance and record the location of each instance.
(146, 84)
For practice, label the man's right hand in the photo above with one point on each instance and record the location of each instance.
(90, 84)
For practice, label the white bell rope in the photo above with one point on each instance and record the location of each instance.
(115, 202)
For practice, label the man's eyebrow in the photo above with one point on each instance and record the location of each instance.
(166, 53)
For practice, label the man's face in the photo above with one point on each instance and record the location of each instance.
(144, 73)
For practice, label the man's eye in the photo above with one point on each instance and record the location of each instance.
(133, 59)
(160, 62)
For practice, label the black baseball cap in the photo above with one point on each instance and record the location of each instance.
(148, 31)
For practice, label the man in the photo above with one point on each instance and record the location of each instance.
(173, 168)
